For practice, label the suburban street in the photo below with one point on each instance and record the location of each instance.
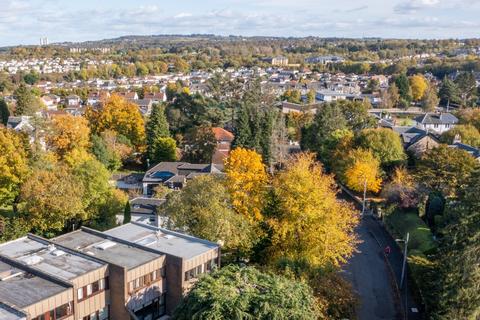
(371, 280)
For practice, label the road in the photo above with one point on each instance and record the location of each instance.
(370, 277)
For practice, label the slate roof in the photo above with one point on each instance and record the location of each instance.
(437, 118)
(472, 150)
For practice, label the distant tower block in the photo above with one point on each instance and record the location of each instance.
(44, 41)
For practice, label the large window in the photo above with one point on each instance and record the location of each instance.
(146, 280)
(101, 314)
(58, 313)
(92, 289)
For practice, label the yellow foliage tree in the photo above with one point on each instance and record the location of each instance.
(419, 85)
(246, 182)
(120, 116)
(309, 222)
(363, 170)
(66, 133)
(13, 165)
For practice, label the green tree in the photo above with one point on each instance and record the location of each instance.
(164, 149)
(52, 199)
(31, 78)
(445, 170)
(247, 293)
(94, 178)
(4, 112)
(311, 96)
(200, 144)
(127, 213)
(468, 134)
(27, 103)
(385, 145)
(106, 155)
(157, 127)
(204, 209)
(457, 291)
(449, 92)
(467, 87)
(403, 86)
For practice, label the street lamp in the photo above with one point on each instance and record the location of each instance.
(404, 271)
(364, 196)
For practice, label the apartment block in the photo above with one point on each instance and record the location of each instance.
(134, 271)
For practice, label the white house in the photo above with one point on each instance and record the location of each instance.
(436, 122)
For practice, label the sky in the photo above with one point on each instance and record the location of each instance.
(26, 21)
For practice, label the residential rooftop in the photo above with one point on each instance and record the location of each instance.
(98, 245)
(9, 313)
(162, 240)
(21, 289)
(46, 257)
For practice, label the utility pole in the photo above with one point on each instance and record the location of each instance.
(364, 196)
(402, 278)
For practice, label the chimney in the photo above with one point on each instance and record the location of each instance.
(457, 139)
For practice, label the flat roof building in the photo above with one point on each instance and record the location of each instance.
(133, 271)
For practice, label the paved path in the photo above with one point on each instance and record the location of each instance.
(371, 279)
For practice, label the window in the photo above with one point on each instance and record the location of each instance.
(163, 272)
(130, 286)
(58, 313)
(199, 269)
(89, 290)
(101, 284)
(95, 287)
(80, 294)
(103, 313)
(63, 311)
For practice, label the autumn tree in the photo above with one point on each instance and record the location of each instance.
(418, 85)
(361, 171)
(430, 99)
(13, 166)
(120, 116)
(401, 189)
(52, 199)
(293, 96)
(311, 96)
(470, 116)
(468, 134)
(67, 132)
(308, 222)
(385, 144)
(246, 293)
(391, 97)
(204, 209)
(246, 181)
(445, 170)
